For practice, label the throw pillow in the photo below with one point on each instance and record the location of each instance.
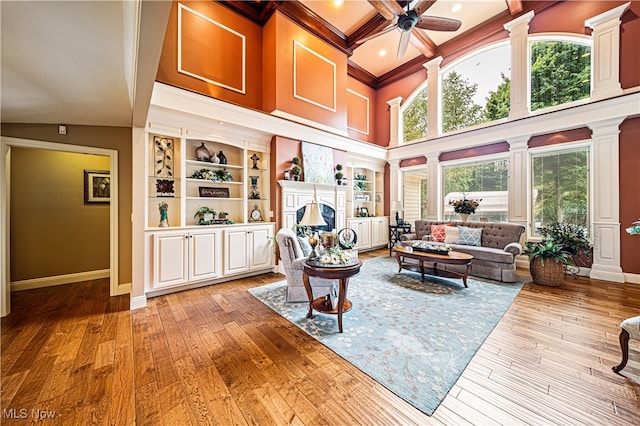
(305, 246)
(437, 233)
(451, 234)
(469, 236)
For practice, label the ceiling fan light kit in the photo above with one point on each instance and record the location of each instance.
(406, 21)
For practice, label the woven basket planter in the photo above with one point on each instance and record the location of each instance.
(551, 273)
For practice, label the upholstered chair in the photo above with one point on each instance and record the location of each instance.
(292, 258)
(630, 331)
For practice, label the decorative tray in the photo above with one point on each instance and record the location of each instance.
(429, 248)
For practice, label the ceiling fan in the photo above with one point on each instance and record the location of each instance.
(406, 20)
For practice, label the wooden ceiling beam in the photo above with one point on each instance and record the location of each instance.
(515, 6)
(423, 43)
(372, 26)
(382, 9)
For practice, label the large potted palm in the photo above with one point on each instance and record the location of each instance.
(574, 239)
(547, 260)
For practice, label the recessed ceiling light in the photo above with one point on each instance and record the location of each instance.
(456, 7)
(382, 52)
(338, 2)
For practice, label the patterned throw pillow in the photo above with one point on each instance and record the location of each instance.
(305, 246)
(469, 236)
(451, 234)
(437, 233)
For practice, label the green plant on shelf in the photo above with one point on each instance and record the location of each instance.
(202, 213)
(360, 186)
(212, 175)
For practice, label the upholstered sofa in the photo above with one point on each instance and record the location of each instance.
(494, 258)
(292, 258)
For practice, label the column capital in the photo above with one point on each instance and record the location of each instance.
(432, 157)
(434, 63)
(520, 23)
(394, 101)
(518, 142)
(608, 18)
(605, 127)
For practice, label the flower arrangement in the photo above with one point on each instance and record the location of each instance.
(634, 229)
(335, 256)
(465, 206)
(212, 175)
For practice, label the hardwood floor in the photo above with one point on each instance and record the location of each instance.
(216, 355)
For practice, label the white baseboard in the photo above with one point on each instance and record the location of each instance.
(59, 280)
(632, 278)
(123, 289)
(138, 302)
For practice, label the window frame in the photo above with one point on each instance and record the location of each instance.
(424, 85)
(566, 147)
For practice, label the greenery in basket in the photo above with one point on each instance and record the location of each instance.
(360, 186)
(547, 250)
(572, 238)
(212, 175)
(202, 211)
(465, 206)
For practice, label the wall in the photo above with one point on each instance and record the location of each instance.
(116, 138)
(214, 53)
(53, 232)
(629, 194)
(361, 108)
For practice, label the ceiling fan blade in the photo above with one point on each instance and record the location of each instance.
(383, 31)
(382, 9)
(436, 23)
(394, 7)
(404, 43)
(422, 6)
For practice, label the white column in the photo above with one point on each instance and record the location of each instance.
(434, 124)
(605, 58)
(518, 178)
(605, 203)
(141, 258)
(395, 181)
(434, 188)
(518, 32)
(395, 129)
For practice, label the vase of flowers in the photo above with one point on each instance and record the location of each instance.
(465, 207)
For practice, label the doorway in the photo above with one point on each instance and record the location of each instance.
(5, 201)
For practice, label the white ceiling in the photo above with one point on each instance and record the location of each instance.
(73, 62)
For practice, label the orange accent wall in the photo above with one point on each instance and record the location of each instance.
(214, 53)
(630, 60)
(314, 79)
(629, 190)
(357, 114)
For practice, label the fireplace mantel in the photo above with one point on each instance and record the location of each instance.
(297, 194)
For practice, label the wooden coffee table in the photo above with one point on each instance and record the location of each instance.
(453, 258)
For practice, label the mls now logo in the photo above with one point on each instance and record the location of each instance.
(23, 413)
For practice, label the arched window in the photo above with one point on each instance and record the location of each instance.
(560, 70)
(414, 115)
(475, 89)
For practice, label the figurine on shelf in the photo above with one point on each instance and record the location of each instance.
(164, 217)
(222, 158)
(255, 159)
(255, 193)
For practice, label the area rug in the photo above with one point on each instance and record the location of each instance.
(414, 338)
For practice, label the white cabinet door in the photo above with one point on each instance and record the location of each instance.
(236, 256)
(379, 231)
(362, 228)
(260, 250)
(205, 254)
(171, 252)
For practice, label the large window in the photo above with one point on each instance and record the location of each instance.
(560, 188)
(560, 72)
(486, 181)
(476, 89)
(414, 195)
(414, 117)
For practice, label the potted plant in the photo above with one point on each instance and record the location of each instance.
(465, 207)
(296, 171)
(222, 215)
(574, 239)
(200, 214)
(339, 175)
(547, 260)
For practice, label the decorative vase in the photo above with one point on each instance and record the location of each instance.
(202, 153)
(464, 217)
(550, 273)
(222, 158)
(287, 175)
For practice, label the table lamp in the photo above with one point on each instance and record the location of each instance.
(397, 207)
(312, 218)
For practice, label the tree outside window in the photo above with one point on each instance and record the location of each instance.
(414, 117)
(560, 188)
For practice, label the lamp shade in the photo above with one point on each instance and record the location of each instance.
(312, 215)
(396, 206)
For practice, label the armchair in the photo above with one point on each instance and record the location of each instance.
(292, 257)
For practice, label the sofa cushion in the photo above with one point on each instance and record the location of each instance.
(305, 246)
(437, 233)
(485, 254)
(469, 236)
(451, 234)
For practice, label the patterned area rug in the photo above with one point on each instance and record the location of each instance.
(414, 338)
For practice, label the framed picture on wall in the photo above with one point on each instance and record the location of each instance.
(97, 186)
